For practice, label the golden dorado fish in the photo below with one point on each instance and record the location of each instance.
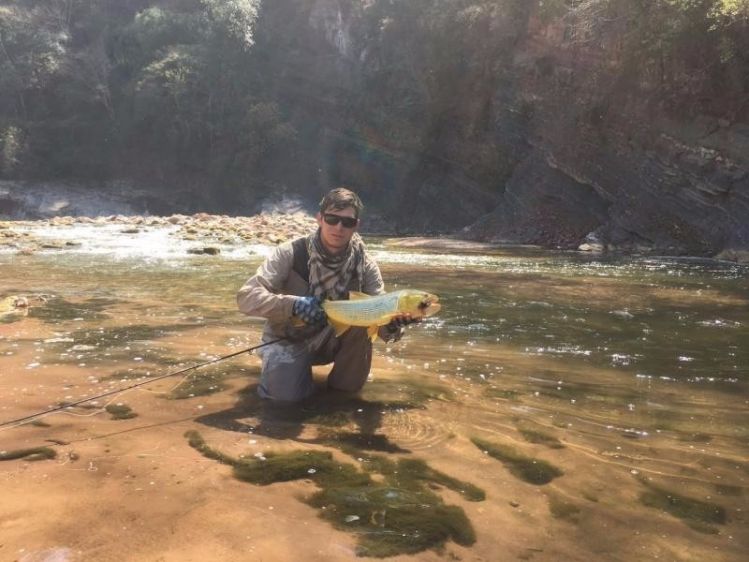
(371, 312)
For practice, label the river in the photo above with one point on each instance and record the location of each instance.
(559, 407)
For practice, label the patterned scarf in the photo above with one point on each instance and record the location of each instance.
(330, 276)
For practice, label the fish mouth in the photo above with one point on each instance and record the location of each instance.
(429, 305)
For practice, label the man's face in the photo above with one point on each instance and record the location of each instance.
(335, 237)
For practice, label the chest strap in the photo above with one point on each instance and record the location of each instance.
(301, 258)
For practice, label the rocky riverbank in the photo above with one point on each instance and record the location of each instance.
(208, 233)
(209, 230)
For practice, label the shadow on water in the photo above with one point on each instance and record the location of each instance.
(333, 415)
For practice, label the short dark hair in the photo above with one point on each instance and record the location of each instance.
(341, 198)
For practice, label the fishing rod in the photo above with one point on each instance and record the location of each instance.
(136, 385)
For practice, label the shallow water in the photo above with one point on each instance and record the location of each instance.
(628, 378)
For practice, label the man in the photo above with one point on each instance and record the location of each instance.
(289, 288)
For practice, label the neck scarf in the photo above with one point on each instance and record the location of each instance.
(330, 276)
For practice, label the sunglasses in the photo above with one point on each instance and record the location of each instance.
(332, 220)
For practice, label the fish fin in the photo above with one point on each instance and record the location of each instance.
(339, 327)
(372, 331)
(356, 295)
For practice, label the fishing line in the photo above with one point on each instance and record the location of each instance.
(20, 420)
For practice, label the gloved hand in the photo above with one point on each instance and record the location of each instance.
(309, 310)
(396, 327)
(401, 322)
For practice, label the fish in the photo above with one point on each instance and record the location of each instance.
(371, 312)
(13, 308)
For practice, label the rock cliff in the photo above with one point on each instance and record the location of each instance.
(522, 133)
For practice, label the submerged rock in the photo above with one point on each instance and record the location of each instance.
(207, 250)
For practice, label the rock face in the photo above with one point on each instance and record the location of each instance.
(525, 135)
(650, 182)
(38, 200)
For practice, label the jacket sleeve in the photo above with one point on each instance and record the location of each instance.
(262, 294)
(372, 283)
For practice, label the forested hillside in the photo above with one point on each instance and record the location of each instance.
(626, 121)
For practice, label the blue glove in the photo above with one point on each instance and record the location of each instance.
(309, 310)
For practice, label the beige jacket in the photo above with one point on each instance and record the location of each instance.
(271, 292)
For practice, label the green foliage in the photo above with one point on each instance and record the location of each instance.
(201, 91)
(10, 148)
(234, 18)
(733, 9)
(683, 51)
(169, 86)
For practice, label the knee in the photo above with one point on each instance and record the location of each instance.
(351, 384)
(286, 375)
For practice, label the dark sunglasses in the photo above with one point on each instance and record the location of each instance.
(332, 220)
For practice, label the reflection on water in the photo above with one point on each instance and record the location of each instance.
(601, 405)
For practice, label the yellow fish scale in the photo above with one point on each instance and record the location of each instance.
(376, 310)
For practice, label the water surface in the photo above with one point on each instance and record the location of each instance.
(599, 404)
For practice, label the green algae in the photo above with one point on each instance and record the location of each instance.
(697, 437)
(318, 466)
(128, 375)
(120, 411)
(57, 309)
(583, 392)
(400, 515)
(354, 443)
(331, 419)
(389, 522)
(541, 438)
(199, 384)
(728, 490)
(10, 317)
(413, 473)
(533, 471)
(421, 392)
(590, 496)
(502, 393)
(560, 508)
(107, 338)
(698, 514)
(397, 513)
(196, 441)
(409, 392)
(30, 454)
